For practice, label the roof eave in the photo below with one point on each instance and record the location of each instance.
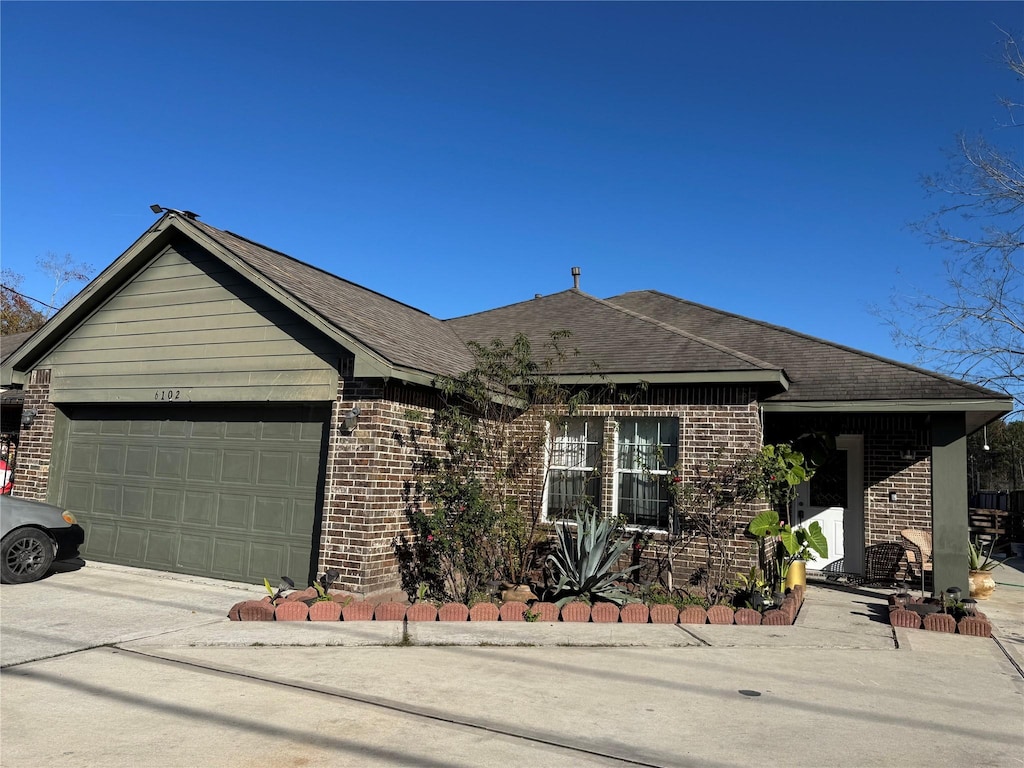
(977, 411)
(892, 406)
(777, 378)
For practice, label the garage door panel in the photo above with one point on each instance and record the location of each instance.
(135, 502)
(143, 428)
(200, 508)
(270, 560)
(82, 458)
(170, 463)
(279, 431)
(194, 552)
(100, 538)
(161, 549)
(203, 465)
(140, 460)
(85, 427)
(303, 515)
(167, 504)
(275, 469)
(78, 495)
(173, 429)
(110, 460)
(271, 515)
(130, 545)
(238, 467)
(113, 428)
(241, 431)
(209, 430)
(229, 556)
(308, 469)
(218, 492)
(106, 499)
(233, 512)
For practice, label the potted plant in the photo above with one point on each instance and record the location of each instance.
(802, 544)
(980, 565)
(798, 546)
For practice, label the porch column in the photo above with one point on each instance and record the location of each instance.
(949, 501)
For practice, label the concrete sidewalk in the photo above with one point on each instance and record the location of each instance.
(129, 667)
(103, 604)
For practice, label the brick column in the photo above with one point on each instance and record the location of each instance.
(32, 471)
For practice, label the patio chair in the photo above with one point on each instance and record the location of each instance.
(918, 546)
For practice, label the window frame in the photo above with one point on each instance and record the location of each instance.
(664, 515)
(594, 423)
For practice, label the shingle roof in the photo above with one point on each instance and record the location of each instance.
(405, 336)
(613, 337)
(818, 370)
(11, 343)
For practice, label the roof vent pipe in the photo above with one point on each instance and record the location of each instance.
(576, 278)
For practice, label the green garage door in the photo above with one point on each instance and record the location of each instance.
(230, 493)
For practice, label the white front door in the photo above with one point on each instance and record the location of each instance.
(834, 498)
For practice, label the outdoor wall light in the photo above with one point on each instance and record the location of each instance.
(28, 416)
(351, 419)
(893, 497)
(908, 454)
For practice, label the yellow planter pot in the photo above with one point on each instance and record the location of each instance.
(797, 574)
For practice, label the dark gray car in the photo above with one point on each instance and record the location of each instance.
(34, 534)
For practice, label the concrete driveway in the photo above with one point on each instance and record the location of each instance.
(177, 685)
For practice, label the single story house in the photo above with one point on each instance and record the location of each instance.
(212, 406)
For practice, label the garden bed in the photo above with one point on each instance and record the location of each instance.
(303, 606)
(929, 614)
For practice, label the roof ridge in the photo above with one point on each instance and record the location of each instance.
(322, 271)
(685, 334)
(817, 339)
(509, 306)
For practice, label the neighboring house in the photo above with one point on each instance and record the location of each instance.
(192, 401)
(11, 410)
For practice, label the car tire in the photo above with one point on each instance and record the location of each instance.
(26, 554)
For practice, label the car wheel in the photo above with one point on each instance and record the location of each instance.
(25, 555)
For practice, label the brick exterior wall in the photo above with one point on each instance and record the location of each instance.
(370, 472)
(35, 446)
(369, 481)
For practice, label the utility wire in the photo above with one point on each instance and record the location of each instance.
(19, 293)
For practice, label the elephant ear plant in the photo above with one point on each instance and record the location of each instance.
(797, 543)
(585, 564)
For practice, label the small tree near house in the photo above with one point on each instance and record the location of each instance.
(483, 511)
(712, 508)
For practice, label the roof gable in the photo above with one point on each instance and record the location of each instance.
(388, 338)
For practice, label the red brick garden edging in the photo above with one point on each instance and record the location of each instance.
(977, 625)
(294, 607)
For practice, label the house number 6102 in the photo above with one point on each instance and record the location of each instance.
(167, 394)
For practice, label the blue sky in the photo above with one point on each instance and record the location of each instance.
(760, 158)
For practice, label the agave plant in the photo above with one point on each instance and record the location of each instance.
(585, 564)
(980, 560)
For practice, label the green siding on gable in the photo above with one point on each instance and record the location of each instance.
(189, 329)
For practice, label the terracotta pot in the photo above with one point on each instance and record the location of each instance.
(520, 593)
(797, 574)
(982, 584)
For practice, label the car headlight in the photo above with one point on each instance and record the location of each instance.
(69, 518)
